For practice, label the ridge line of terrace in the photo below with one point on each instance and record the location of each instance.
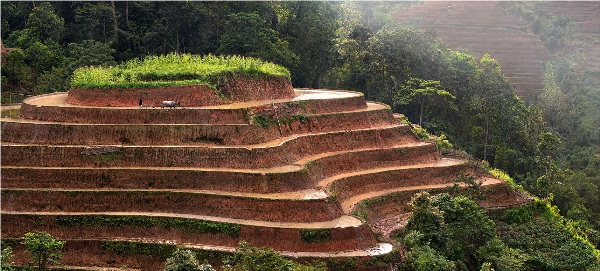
(59, 99)
(298, 165)
(347, 205)
(371, 106)
(379, 249)
(440, 163)
(344, 221)
(269, 144)
(306, 194)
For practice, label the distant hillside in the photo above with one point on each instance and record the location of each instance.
(587, 38)
(484, 27)
(487, 27)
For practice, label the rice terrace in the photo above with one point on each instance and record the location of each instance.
(223, 168)
(218, 156)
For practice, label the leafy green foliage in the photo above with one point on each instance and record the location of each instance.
(247, 34)
(550, 241)
(6, 263)
(44, 248)
(424, 258)
(185, 260)
(501, 257)
(315, 235)
(445, 232)
(420, 91)
(247, 258)
(44, 23)
(188, 225)
(174, 69)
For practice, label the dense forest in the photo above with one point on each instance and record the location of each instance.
(549, 147)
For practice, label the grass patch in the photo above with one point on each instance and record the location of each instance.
(175, 70)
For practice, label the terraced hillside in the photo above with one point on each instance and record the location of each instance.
(125, 185)
(587, 39)
(484, 27)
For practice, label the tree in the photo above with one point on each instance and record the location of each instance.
(467, 227)
(89, 53)
(95, 21)
(421, 91)
(310, 31)
(424, 258)
(44, 23)
(247, 34)
(500, 257)
(185, 260)
(247, 258)
(43, 247)
(427, 220)
(6, 259)
(16, 73)
(493, 95)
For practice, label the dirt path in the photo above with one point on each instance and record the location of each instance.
(441, 163)
(308, 194)
(59, 99)
(341, 222)
(348, 204)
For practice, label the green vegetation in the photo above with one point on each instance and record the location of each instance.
(187, 225)
(315, 235)
(175, 70)
(44, 248)
(453, 233)
(249, 258)
(185, 260)
(6, 263)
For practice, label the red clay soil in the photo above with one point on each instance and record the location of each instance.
(240, 89)
(235, 90)
(196, 95)
(37, 109)
(394, 178)
(19, 131)
(291, 210)
(93, 253)
(250, 157)
(304, 176)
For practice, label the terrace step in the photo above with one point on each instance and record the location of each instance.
(345, 186)
(345, 233)
(305, 206)
(53, 107)
(302, 174)
(347, 205)
(60, 133)
(109, 252)
(279, 152)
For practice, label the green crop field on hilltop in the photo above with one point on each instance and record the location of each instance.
(175, 70)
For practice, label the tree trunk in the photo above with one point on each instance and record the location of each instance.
(421, 114)
(115, 26)
(486, 130)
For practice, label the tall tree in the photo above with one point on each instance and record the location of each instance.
(310, 31)
(493, 94)
(248, 34)
(421, 91)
